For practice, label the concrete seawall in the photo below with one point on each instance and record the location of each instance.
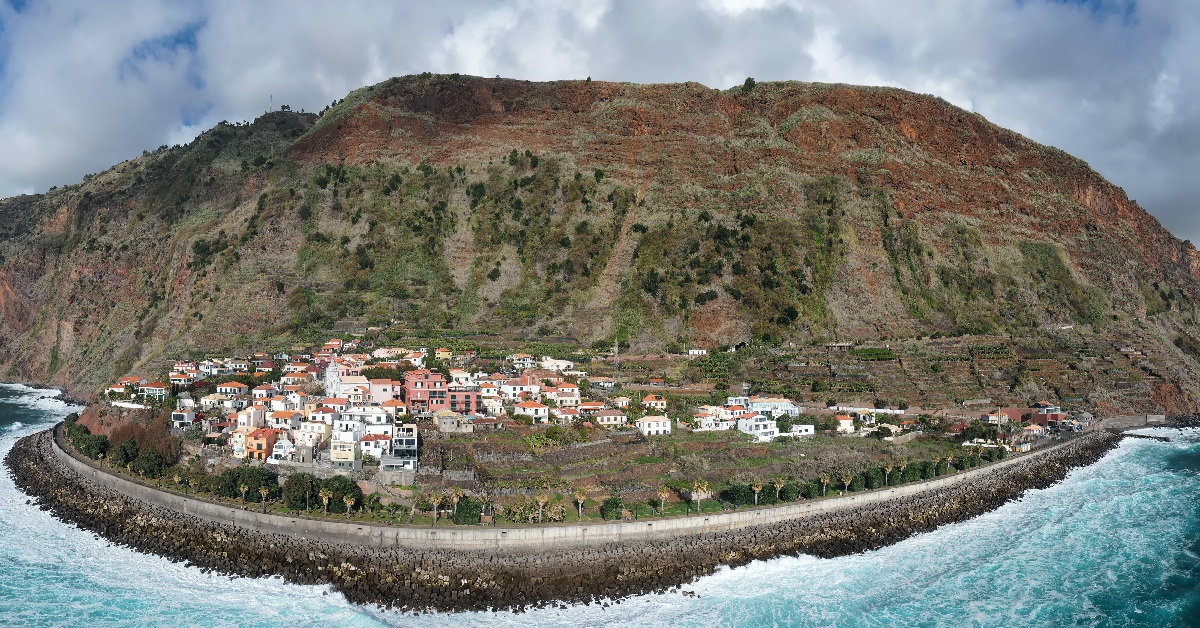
(475, 568)
(510, 537)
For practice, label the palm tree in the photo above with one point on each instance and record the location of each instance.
(903, 465)
(456, 494)
(542, 499)
(699, 488)
(195, 484)
(178, 479)
(663, 494)
(757, 487)
(824, 479)
(349, 501)
(435, 498)
(326, 495)
(264, 491)
(580, 496)
(887, 470)
(847, 478)
(778, 482)
(950, 463)
(243, 490)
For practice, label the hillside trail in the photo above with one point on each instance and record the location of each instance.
(595, 318)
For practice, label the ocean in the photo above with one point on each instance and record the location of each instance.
(1115, 544)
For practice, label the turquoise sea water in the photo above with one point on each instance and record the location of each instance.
(1115, 544)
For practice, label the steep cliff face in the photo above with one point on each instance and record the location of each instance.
(657, 214)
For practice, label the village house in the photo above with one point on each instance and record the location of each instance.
(252, 417)
(654, 402)
(375, 445)
(182, 419)
(551, 364)
(425, 391)
(524, 387)
(610, 418)
(653, 425)
(464, 399)
(260, 443)
(337, 404)
(154, 390)
(312, 433)
(761, 428)
(521, 361)
(284, 420)
(395, 408)
(773, 406)
(283, 450)
(232, 389)
(538, 412)
(403, 456)
(442, 353)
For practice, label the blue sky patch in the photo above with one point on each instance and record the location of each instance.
(166, 49)
(1100, 10)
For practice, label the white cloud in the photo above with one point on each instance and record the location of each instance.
(83, 86)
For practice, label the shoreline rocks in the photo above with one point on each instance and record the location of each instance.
(447, 579)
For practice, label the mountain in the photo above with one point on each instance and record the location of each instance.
(665, 216)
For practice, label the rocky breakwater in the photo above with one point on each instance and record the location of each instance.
(448, 579)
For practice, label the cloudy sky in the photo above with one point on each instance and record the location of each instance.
(86, 84)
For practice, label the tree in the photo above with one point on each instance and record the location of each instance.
(847, 478)
(341, 486)
(468, 512)
(542, 499)
(757, 487)
(299, 490)
(699, 488)
(348, 500)
(326, 495)
(748, 85)
(887, 470)
(243, 489)
(824, 479)
(264, 491)
(612, 508)
(456, 494)
(663, 494)
(435, 498)
(149, 463)
(778, 482)
(580, 496)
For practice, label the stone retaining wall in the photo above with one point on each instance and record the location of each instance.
(480, 568)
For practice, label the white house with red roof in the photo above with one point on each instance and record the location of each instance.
(284, 420)
(324, 414)
(540, 413)
(232, 388)
(522, 361)
(154, 390)
(375, 445)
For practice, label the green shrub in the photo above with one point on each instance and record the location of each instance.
(300, 491)
(612, 508)
(341, 486)
(467, 512)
